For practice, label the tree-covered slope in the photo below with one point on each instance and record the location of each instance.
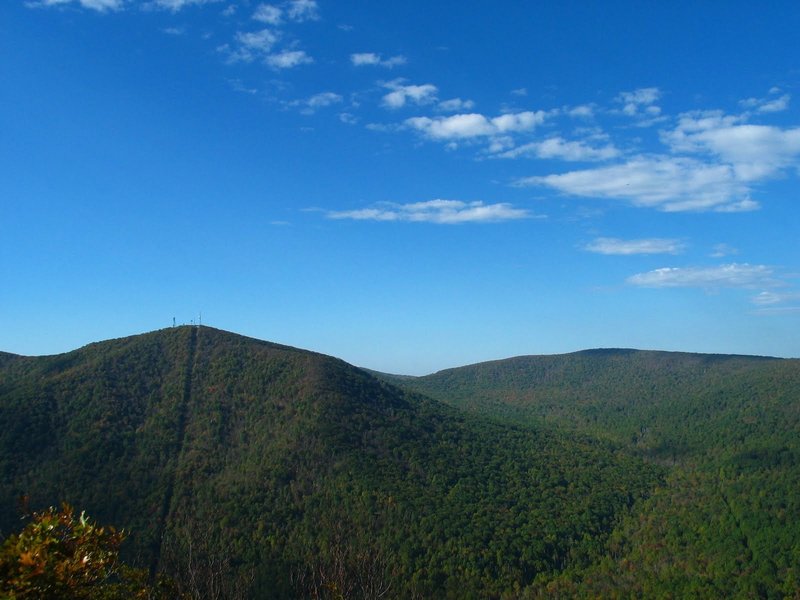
(668, 405)
(727, 522)
(217, 450)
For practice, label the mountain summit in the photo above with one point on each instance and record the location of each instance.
(279, 472)
(285, 461)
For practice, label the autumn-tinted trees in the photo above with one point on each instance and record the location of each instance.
(245, 468)
(59, 555)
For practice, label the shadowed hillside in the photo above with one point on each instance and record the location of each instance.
(290, 468)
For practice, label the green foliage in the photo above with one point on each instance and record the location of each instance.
(60, 556)
(726, 524)
(281, 473)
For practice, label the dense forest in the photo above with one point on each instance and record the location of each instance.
(726, 521)
(279, 473)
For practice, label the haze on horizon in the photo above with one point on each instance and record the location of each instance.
(406, 186)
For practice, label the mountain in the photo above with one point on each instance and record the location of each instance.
(727, 521)
(283, 472)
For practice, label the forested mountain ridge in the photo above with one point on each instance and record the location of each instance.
(645, 399)
(727, 522)
(291, 468)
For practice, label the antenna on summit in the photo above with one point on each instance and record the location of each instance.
(200, 319)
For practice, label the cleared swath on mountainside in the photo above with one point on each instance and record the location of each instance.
(287, 461)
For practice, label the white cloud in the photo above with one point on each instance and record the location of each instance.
(455, 127)
(642, 246)
(558, 147)
(348, 118)
(520, 92)
(771, 298)
(447, 212)
(176, 5)
(769, 303)
(302, 10)
(361, 59)
(500, 143)
(455, 104)
(98, 5)
(584, 111)
(269, 14)
(102, 5)
(288, 59)
(324, 99)
(262, 40)
(401, 94)
(520, 121)
(754, 151)
(640, 102)
(768, 105)
(667, 183)
(464, 126)
(721, 250)
(724, 276)
(777, 105)
(311, 104)
(250, 44)
(383, 127)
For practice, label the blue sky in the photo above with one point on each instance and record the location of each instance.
(408, 186)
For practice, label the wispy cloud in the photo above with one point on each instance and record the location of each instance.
(769, 303)
(583, 111)
(402, 94)
(176, 5)
(721, 250)
(446, 212)
(238, 86)
(471, 125)
(362, 59)
(269, 14)
(753, 151)
(559, 148)
(711, 160)
(770, 104)
(288, 59)
(455, 105)
(310, 105)
(115, 5)
(770, 298)
(724, 276)
(250, 45)
(666, 183)
(640, 102)
(302, 10)
(606, 245)
(98, 5)
(262, 40)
